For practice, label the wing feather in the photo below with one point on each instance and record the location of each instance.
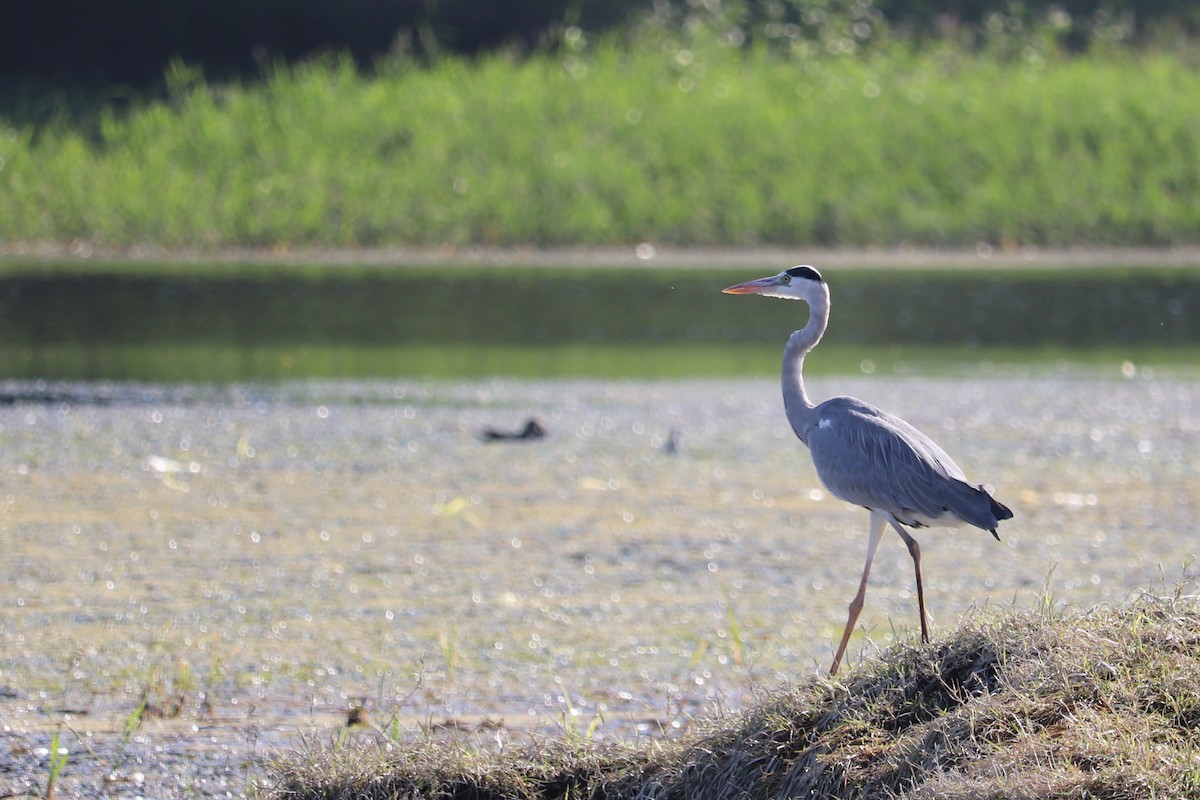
(870, 458)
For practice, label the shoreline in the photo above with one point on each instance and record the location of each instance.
(631, 256)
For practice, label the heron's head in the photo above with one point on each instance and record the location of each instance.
(797, 283)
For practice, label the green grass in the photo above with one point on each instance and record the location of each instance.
(1037, 703)
(56, 763)
(689, 144)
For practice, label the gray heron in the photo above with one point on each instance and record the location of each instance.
(869, 457)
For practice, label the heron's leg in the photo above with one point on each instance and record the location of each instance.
(856, 604)
(914, 550)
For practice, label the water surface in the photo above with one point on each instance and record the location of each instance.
(228, 323)
(252, 560)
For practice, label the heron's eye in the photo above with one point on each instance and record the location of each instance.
(786, 278)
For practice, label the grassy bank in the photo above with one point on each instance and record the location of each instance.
(1033, 704)
(615, 143)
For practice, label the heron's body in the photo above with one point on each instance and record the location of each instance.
(869, 457)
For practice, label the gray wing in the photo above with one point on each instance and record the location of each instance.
(870, 458)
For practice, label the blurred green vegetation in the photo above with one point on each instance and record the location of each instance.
(128, 43)
(688, 130)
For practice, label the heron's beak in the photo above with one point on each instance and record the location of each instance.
(754, 287)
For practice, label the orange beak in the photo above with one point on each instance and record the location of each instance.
(753, 287)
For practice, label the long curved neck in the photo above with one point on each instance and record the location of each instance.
(795, 400)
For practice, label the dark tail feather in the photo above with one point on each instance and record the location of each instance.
(999, 511)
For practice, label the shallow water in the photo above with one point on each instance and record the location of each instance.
(251, 561)
(228, 323)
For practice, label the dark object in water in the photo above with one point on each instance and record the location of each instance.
(357, 715)
(532, 430)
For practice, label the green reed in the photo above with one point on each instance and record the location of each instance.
(616, 143)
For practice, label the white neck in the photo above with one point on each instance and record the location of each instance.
(795, 400)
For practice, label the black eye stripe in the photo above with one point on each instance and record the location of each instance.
(808, 273)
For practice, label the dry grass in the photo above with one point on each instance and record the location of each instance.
(1036, 703)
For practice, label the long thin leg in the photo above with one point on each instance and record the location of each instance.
(914, 550)
(856, 604)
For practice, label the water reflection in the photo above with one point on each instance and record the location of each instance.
(471, 321)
